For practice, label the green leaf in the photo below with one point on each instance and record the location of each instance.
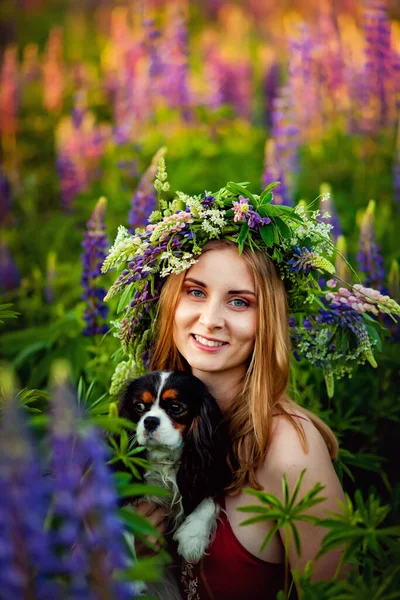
(374, 335)
(267, 234)
(114, 424)
(284, 229)
(137, 523)
(124, 297)
(144, 489)
(268, 190)
(244, 232)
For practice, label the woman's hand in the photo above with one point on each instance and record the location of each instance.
(158, 516)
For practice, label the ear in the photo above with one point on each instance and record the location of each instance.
(124, 410)
(125, 400)
(203, 470)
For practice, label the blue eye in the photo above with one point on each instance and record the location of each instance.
(196, 293)
(243, 303)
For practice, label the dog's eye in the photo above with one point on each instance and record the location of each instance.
(176, 409)
(140, 407)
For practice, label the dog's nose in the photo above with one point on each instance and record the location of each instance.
(151, 423)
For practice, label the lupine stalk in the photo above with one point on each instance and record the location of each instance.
(53, 72)
(95, 247)
(144, 199)
(5, 196)
(85, 504)
(369, 256)
(9, 274)
(175, 55)
(50, 275)
(273, 172)
(27, 560)
(378, 60)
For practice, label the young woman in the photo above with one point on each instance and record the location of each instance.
(225, 319)
(208, 287)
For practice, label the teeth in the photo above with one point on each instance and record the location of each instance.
(207, 342)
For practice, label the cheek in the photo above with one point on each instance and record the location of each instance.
(182, 319)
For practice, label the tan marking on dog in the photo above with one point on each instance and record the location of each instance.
(169, 394)
(147, 397)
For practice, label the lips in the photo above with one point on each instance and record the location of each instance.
(207, 344)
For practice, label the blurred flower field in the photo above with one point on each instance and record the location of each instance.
(91, 94)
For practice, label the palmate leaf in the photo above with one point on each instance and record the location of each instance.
(6, 313)
(262, 518)
(263, 497)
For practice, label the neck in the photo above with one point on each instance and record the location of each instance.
(223, 386)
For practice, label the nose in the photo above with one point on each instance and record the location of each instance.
(151, 423)
(211, 317)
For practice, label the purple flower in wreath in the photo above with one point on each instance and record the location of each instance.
(208, 201)
(305, 260)
(244, 212)
(240, 209)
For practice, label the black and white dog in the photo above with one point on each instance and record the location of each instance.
(182, 430)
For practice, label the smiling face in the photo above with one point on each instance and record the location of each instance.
(215, 318)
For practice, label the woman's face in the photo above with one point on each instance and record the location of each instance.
(215, 319)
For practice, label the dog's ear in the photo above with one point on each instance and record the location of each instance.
(125, 400)
(125, 411)
(203, 470)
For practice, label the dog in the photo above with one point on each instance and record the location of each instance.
(182, 430)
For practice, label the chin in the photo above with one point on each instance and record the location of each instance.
(181, 428)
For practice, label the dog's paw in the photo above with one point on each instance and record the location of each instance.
(193, 536)
(192, 540)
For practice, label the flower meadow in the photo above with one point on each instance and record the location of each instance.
(92, 96)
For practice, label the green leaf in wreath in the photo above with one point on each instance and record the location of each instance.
(284, 229)
(244, 232)
(267, 234)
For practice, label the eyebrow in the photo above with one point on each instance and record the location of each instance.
(197, 282)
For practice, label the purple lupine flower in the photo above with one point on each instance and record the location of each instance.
(85, 505)
(71, 177)
(369, 256)
(273, 171)
(305, 260)
(175, 54)
(27, 560)
(348, 319)
(9, 274)
(271, 84)
(378, 72)
(396, 177)
(144, 200)
(95, 248)
(5, 196)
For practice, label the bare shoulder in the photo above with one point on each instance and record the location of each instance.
(286, 442)
(286, 454)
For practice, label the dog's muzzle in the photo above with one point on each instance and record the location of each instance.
(151, 423)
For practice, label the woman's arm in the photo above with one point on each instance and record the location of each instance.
(286, 455)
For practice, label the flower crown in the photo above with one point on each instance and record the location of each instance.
(330, 326)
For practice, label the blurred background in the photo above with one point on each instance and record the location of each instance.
(306, 93)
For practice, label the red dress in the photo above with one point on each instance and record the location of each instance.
(230, 572)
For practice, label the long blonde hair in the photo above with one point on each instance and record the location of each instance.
(263, 392)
